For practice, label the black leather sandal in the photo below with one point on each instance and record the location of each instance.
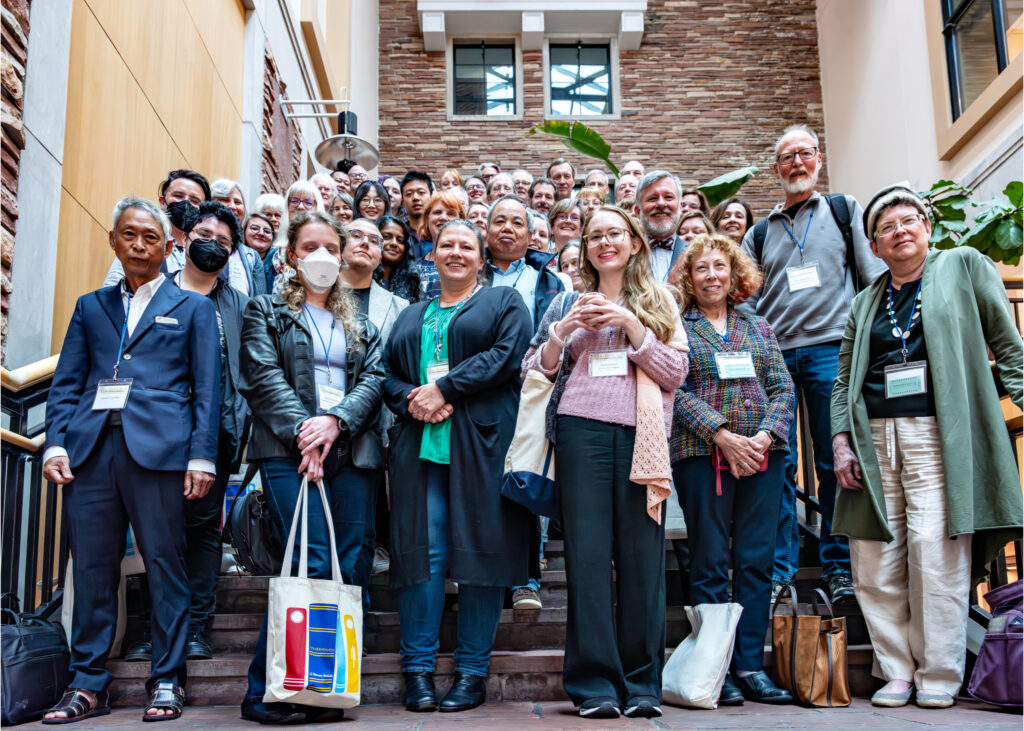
(78, 707)
(168, 697)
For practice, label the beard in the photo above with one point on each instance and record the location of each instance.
(658, 232)
(801, 185)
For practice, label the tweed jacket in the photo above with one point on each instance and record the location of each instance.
(743, 405)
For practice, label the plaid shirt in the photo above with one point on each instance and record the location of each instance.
(743, 405)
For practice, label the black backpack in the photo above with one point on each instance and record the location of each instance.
(36, 664)
(841, 213)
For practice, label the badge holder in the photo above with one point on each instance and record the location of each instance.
(436, 370)
(735, 365)
(112, 394)
(329, 397)
(906, 379)
(803, 277)
(608, 362)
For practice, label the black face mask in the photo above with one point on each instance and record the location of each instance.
(183, 215)
(208, 255)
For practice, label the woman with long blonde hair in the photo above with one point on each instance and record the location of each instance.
(617, 353)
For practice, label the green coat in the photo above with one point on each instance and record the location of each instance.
(964, 308)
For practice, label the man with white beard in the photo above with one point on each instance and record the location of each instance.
(814, 256)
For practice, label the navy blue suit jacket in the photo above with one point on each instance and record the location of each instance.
(173, 411)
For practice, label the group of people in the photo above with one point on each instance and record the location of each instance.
(356, 328)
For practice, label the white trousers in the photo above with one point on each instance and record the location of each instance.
(914, 590)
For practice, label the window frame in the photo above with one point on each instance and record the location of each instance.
(613, 59)
(517, 60)
(951, 20)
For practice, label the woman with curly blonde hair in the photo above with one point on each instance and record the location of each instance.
(311, 369)
(730, 433)
(617, 353)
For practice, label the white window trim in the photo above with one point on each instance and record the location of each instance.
(613, 53)
(449, 96)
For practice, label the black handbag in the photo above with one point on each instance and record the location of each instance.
(36, 665)
(253, 536)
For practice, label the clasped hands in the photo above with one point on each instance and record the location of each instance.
(427, 404)
(316, 435)
(743, 454)
(593, 311)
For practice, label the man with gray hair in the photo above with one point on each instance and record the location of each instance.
(598, 179)
(523, 180)
(488, 170)
(814, 256)
(326, 185)
(499, 186)
(657, 208)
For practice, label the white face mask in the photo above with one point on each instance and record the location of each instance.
(320, 270)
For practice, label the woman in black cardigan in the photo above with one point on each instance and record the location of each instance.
(453, 380)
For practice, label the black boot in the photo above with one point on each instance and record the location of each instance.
(468, 691)
(731, 695)
(420, 695)
(760, 688)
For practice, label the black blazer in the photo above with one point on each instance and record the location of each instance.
(278, 381)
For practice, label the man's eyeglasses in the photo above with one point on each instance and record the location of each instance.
(201, 233)
(889, 229)
(358, 236)
(475, 186)
(357, 178)
(805, 154)
(573, 217)
(614, 236)
(306, 202)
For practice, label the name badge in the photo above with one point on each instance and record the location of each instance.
(111, 393)
(329, 397)
(803, 277)
(735, 365)
(906, 380)
(436, 370)
(608, 363)
(161, 320)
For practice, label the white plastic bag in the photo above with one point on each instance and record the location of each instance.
(694, 674)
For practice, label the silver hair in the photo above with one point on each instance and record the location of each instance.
(510, 197)
(599, 172)
(795, 128)
(325, 176)
(143, 204)
(273, 201)
(534, 215)
(653, 177)
(521, 170)
(222, 187)
(481, 166)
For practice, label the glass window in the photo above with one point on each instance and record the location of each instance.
(580, 79)
(484, 79)
(982, 37)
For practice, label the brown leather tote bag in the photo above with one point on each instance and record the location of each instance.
(810, 653)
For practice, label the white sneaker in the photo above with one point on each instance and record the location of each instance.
(526, 598)
(381, 562)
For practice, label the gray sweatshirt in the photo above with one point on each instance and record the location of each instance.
(816, 315)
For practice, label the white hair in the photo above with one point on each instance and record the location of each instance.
(326, 179)
(143, 204)
(795, 128)
(269, 200)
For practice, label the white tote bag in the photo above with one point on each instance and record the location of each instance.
(314, 626)
(694, 674)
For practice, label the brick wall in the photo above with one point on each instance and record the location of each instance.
(281, 149)
(14, 27)
(713, 83)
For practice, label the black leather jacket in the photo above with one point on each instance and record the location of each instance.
(278, 381)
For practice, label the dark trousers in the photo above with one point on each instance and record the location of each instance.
(203, 547)
(745, 513)
(108, 491)
(615, 633)
(348, 496)
(364, 563)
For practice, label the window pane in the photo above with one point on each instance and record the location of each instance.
(1012, 15)
(580, 79)
(484, 80)
(976, 51)
(469, 54)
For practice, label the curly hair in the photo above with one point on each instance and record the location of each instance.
(340, 301)
(744, 278)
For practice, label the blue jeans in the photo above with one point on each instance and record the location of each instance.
(348, 495)
(813, 370)
(420, 605)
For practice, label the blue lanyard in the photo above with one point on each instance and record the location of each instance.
(915, 314)
(124, 331)
(327, 347)
(804, 239)
(439, 326)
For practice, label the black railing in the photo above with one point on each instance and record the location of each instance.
(33, 534)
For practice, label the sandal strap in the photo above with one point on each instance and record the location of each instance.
(75, 703)
(167, 695)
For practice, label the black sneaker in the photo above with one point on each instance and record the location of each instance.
(198, 646)
(642, 707)
(599, 708)
(840, 586)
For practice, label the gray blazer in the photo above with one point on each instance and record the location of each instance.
(383, 310)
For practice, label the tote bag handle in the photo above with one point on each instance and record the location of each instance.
(301, 504)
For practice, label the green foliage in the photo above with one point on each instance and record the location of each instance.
(579, 137)
(994, 228)
(726, 186)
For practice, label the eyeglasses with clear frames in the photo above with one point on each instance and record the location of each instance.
(356, 235)
(296, 202)
(805, 154)
(889, 229)
(614, 236)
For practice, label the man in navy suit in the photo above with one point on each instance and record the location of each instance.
(131, 429)
(657, 208)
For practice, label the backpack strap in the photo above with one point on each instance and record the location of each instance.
(840, 209)
(760, 233)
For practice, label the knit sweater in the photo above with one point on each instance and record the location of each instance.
(610, 399)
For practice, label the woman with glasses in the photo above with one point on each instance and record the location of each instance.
(617, 355)
(397, 272)
(245, 267)
(371, 201)
(452, 379)
(566, 220)
(931, 491)
(272, 206)
(302, 196)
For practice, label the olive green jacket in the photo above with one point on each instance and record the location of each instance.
(964, 311)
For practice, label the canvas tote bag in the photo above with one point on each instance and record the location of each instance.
(695, 672)
(810, 654)
(314, 626)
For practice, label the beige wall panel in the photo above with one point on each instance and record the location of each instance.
(83, 256)
(221, 26)
(337, 35)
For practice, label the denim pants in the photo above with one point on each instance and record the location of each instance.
(420, 605)
(348, 494)
(813, 370)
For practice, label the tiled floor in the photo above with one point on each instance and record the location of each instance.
(561, 715)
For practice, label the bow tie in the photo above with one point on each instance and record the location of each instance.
(666, 244)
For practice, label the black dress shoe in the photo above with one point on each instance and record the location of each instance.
(420, 695)
(272, 713)
(731, 695)
(468, 691)
(759, 687)
(198, 646)
(315, 714)
(141, 651)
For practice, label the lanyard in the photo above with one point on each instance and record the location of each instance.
(327, 347)
(124, 331)
(914, 317)
(518, 276)
(804, 239)
(440, 327)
